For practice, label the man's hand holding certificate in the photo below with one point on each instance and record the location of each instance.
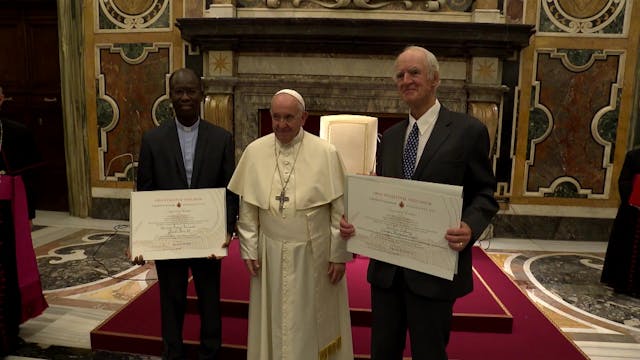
(404, 222)
(176, 224)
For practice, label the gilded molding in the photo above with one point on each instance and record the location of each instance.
(489, 114)
(218, 110)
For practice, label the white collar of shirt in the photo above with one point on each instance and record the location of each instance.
(187, 128)
(426, 122)
(188, 136)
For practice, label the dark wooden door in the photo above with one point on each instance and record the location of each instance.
(30, 77)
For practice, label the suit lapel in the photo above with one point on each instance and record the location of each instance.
(397, 151)
(198, 157)
(174, 144)
(441, 130)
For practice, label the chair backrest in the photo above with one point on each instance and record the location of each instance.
(355, 137)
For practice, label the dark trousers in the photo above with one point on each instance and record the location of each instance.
(396, 310)
(173, 279)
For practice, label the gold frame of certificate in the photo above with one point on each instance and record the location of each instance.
(178, 224)
(356, 139)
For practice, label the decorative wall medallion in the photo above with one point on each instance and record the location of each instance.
(132, 7)
(133, 14)
(220, 63)
(581, 9)
(459, 5)
(583, 16)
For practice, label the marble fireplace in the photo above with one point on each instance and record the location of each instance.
(345, 66)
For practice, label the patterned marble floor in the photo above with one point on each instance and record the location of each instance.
(561, 277)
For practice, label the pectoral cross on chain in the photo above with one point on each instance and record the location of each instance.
(282, 199)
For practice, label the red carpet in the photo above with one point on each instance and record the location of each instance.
(495, 322)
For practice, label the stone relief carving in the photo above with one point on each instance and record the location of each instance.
(361, 4)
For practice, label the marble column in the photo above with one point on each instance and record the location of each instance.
(70, 32)
(489, 114)
(219, 84)
(218, 109)
(485, 91)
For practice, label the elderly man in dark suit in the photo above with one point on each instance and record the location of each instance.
(441, 146)
(188, 153)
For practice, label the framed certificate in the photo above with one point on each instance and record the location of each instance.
(174, 224)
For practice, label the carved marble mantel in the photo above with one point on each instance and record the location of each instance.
(354, 36)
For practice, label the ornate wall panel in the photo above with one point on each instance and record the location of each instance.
(132, 15)
(585, 17)
(132, 88)
(572, 123)
(514, 11)
(415, 5)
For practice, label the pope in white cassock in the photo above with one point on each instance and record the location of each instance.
(291, 185)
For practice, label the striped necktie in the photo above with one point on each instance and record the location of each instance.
(410, 152)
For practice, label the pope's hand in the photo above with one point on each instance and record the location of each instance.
(346, 230)
(336, 272)
(253, 266)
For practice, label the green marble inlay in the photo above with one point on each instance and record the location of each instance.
(103, 21)
(132, 50)
(105, 113)
(617, 25)
(164, 111)
(538, 125)
(546, 25)
(579, 57)
(163, 20)
(129, 174)
(566, 190)
(607, 126)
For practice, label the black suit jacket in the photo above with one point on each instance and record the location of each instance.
(160, 165)
(457, 153)
(19, 156)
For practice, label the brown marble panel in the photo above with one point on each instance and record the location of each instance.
(134, 88)
(573, 98)
(515, 10)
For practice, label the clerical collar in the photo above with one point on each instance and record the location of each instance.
(188, 128)
(296, 140)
